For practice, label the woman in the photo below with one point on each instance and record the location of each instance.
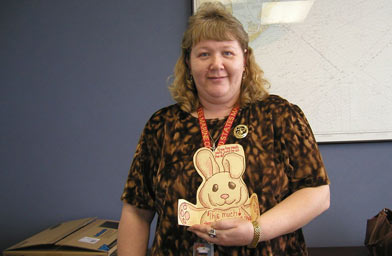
(215, 77)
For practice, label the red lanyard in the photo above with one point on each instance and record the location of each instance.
(225, 132)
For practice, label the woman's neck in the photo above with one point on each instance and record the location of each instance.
(213, 111)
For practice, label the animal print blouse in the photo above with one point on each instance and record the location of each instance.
(281, 157)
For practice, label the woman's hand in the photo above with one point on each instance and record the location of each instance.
(292, 213)
(229, 232)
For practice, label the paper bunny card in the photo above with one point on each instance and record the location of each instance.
(223, 193)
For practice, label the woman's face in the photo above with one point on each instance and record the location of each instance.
(217, 67)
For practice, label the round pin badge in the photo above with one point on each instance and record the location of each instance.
(240, 131)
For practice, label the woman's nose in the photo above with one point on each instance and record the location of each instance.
(216, 62)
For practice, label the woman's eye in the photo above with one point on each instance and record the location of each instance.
(227, 53)
(203, 54)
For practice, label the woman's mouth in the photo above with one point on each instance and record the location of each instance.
(216, 78)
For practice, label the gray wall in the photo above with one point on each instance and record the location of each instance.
(79, 79)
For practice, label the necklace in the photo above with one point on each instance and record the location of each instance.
(225, 132)
(213, 147)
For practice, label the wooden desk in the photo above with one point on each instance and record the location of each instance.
(337, 251)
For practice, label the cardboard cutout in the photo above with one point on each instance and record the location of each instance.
(223, 193)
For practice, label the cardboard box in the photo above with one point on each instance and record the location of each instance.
(90, 236)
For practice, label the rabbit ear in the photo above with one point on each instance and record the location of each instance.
(234, 164)
(205, 163)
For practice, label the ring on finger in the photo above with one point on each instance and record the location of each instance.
(212, 233)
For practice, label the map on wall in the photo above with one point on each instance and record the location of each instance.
(336, 64)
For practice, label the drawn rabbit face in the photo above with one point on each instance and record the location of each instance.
(221, 189)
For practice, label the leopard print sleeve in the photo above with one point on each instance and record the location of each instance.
(138, 190)
(302, 159)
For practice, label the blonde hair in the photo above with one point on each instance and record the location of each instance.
(213, 22)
